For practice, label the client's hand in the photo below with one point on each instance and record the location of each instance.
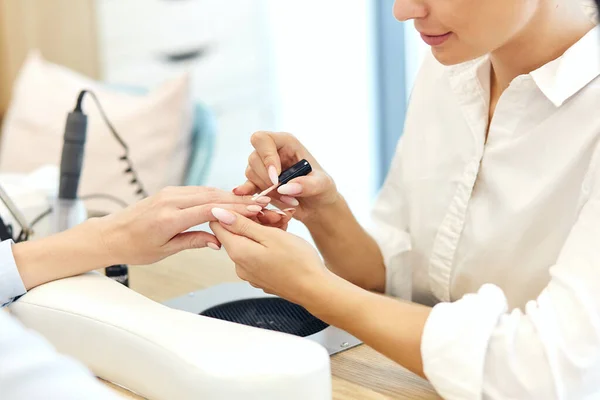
(275, 218)
(154, 228)
(143, 233)
(276, 261)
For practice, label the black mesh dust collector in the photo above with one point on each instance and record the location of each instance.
(272, 313)
(243, 304)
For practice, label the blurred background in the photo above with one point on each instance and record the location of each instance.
(335, 73)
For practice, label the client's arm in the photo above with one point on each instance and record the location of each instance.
(32, 369)
(144, 233)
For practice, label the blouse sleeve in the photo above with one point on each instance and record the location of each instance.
(476, 348)
(11, 284)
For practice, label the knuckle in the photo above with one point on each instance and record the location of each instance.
(288, 136)
(243, 229)
(258, 137)
(253, 158)
(165, 217)
(162, 197)
(212, 196)
(271, 159)
(249, 172)
(195, 242)
(241, 273)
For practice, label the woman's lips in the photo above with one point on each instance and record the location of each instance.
(435, 40)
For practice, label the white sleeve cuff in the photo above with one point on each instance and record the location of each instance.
(395, 245)
(455, 341)
(11, 284)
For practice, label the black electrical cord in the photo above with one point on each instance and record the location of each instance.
(40, 217)
(125, 157)
(114, 199)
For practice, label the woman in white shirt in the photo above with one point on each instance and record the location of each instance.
(489, 218)
(141, 234)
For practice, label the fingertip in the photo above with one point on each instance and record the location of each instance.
(290, 189)
(290, 201)
(273, 175)
(254, 209)
(246, 189)
(224, 216)
(270, 217)
(213, 246)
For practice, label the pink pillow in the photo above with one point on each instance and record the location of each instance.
(156, 126)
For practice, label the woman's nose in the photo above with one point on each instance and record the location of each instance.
(405, 10)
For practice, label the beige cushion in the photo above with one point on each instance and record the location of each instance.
(156, 126)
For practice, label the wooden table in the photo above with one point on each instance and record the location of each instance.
(358, 374)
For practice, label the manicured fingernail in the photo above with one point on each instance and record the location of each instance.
(223, 216)
(261, 213)
(213, 246)
(273, 175)
(291, 189)
(235, 189)
(278, 211)
(263, 200)
(290, 201)
(254, 208)
(289, 210)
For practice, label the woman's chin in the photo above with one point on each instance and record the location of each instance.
(447, 56)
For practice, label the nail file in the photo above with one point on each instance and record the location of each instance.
(301, 168)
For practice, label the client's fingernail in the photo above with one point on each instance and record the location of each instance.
(291, 189)
(290, 201)
(235, 189)
(254, 208)
(289, 210)
(213, 246)
(223, 216)
(263, 200)
(261, 213)
(278, 211)
(273, 175)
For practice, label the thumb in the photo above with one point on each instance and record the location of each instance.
(314, 184)
(240, 225)
(192, 240)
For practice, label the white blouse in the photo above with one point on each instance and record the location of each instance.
(504, 234)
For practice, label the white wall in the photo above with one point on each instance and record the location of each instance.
(416, 50)
(323, 63)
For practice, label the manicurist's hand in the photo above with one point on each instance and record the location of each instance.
(275, 152)
(348, 250)
(285, 265)
(276, 261)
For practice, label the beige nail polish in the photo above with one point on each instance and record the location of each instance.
(291, 189)
(291, 201)
(263, 200)
(213, 246)
(273, 175)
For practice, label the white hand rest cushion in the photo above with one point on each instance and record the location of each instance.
(162, 353)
